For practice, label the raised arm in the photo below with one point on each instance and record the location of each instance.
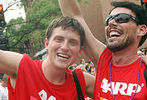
(93, 47)
(9, 62)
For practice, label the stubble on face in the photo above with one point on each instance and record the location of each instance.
(124, 32)
(121, 45)
(121, 41)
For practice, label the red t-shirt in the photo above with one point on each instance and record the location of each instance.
(124, 80)
(31, 83)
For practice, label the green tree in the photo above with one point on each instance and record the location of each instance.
(27, 35)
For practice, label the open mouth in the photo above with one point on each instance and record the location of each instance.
(63, 56)
(114, 34)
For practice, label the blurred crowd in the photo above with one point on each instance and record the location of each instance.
(85, 66)
(142, 52)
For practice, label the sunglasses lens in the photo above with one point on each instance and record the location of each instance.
(119, 18)
(108, 19)
(122, 18)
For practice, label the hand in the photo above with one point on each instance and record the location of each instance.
(145, 59)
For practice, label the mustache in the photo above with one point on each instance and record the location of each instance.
(114, 28)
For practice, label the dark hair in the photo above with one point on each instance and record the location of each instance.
(64, 23)
(88, 68)
(139, 11)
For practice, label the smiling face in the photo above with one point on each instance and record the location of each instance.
(120, 35)
(63, 47)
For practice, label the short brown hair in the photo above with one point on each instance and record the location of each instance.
(66, 22)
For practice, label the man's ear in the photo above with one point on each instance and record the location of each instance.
(142, 30)
(81, 49)
(46, 43)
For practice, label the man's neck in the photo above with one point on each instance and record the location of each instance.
(124, 57)
(53, 75)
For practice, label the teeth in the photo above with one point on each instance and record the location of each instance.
(63, 56)
(114, 34)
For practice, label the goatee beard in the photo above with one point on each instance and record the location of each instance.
(120, 46)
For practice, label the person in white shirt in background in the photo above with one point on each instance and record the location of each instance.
(3, 88)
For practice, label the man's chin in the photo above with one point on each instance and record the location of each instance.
(116, 48)
(113, 49)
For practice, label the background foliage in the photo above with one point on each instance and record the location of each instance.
(23, 33)
(27, 36)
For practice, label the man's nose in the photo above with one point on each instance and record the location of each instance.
(65, 46)
(112, 22)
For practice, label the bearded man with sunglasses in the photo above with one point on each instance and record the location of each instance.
(120, 72)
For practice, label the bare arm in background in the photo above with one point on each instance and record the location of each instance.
(9, 62)
(90, 82)
(93, 47)
(145, 59)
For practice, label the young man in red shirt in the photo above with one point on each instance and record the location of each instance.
(49, 79)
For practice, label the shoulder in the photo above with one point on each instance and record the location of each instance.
(145, 59)
(79, 74)
(90, 81)
(78, 71)
(26, 59)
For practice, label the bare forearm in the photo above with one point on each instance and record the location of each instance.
(70, 8)
(9, 62)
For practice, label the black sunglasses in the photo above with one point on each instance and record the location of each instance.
(120, 18)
